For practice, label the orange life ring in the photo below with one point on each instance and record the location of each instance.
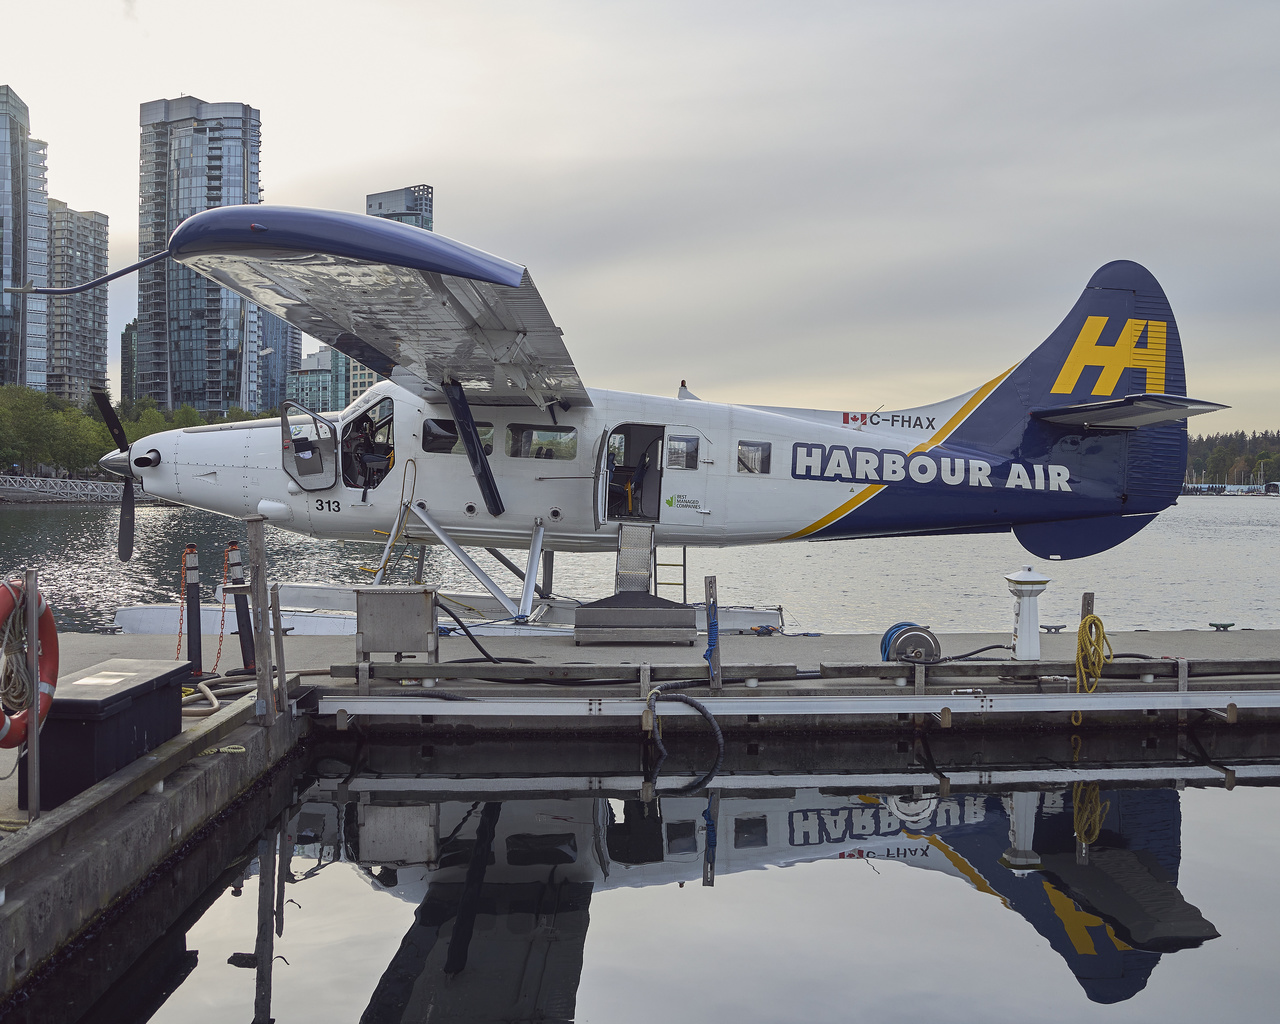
(13, 728)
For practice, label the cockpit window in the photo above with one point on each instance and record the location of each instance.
(368, 446)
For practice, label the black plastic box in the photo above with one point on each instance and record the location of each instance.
(104, 718)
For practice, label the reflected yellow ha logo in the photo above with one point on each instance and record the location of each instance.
(1141, 345)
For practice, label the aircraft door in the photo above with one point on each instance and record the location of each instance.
(604, 473)
(628, 483)
(684, 481)
(309, 445)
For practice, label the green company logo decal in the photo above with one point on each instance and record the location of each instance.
(671, 501)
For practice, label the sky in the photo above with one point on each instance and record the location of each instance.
(843, 205)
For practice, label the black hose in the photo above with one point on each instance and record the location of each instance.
(1141, 657)
(463, 626)
(658, 693)
(505, 661)
(960, 657)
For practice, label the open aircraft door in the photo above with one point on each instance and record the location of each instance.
(309, 447)
(600, 493)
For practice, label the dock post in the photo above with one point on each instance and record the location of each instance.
(32, 610)
(548, 571)
(1086, 605)
(712, 817)
(282, 686)
(191, 559)
(713, 634)
(264, 948)
(258, 611)
(244, 624)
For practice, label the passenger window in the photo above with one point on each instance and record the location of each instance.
(749, 833)
(440, 437)
(682, 452)
(682, 837)
(754, 456)
(530, 442)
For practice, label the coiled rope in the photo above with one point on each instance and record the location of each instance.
(713, 632)
(1090, 659)
(15, 679)
(1088, 809)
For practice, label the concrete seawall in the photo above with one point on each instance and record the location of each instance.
(62, 872)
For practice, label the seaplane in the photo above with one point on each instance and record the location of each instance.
(484, 434)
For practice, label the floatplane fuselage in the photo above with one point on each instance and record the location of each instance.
(485, 433)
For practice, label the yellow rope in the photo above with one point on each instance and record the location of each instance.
(1089, 811)
(1090, 658)
(1086, 801)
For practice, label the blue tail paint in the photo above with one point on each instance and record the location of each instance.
(1117, 347)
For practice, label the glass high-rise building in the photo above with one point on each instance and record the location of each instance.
(410, 205)
(198, 343)
(413, 205)
(280, 355)
(322, 382)
(77, 329)
(24, 231)
(129, 360)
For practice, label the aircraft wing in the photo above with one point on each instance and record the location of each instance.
(390, 295)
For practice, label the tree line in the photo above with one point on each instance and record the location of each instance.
(1235, 458)
(43, 435)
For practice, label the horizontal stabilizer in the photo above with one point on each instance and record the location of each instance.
(1078, 538)
(1130, 412)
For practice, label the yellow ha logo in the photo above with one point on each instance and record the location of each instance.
(1112, 360)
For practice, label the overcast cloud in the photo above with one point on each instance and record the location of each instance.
(843, 205)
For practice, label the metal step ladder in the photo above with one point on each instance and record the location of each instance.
(682, 582)
(635, 558)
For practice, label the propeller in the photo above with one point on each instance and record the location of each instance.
(117, 462)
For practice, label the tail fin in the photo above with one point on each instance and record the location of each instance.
(1105, 394)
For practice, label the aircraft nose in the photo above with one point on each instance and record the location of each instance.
(116, 462)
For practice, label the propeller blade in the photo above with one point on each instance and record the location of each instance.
(125, 546)
(103, 401)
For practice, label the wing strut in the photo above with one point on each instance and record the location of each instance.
(461, 409)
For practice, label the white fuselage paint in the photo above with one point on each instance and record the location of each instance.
(237, 470)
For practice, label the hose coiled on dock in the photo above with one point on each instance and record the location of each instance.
(1090, 659)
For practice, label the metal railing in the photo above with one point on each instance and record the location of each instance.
(71, 490)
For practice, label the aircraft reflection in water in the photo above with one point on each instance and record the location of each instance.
(503, 887)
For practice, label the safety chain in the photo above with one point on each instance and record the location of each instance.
(222, 625)
(182, 600)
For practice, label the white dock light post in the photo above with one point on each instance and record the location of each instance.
(1026, 587)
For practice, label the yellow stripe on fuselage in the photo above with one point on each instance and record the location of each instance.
(943, 432)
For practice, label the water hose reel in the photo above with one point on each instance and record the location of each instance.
(909, 641)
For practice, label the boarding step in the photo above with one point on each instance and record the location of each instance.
(635, 558)
(634, 618)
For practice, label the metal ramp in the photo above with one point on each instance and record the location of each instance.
(635, 558)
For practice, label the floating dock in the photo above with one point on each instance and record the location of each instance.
(867, 724)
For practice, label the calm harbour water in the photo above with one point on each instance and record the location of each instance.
(1205, 559)
(426, 881)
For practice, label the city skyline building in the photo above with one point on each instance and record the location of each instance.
(77, 324)
(24, 230)
(279, 356)
(322, 381)
(198, 344)
(413, 205)
(128, 360)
